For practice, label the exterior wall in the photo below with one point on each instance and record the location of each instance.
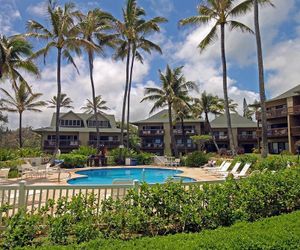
(84, 139)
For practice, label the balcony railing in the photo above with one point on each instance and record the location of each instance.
(276, 132)
(274, 113)
(181, 146)
(151, 132)
(62, 143)
(187, 131)
(295, 131)
(295, 110)
(152, 146)
(108, 144)
(247, 137)
(221, 137)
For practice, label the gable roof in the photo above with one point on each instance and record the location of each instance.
(237, 121)
(162, 117)
(291, 92)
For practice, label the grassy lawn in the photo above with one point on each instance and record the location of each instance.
(281, 232)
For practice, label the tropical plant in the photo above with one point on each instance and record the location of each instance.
(100, 105)
(23, 100)
(174, 90)
(15, 53)
(94, 27)
(133, 31)
(221, 12)
(65, 102)
(262, 93)
(61, 35)
(208, 104)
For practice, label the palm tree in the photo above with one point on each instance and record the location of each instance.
(174, 90)
(221, 12)
(133, 31)
(89, 107)
(15, 53)
(22, 100)
(262, 93)
(62, 36)
(208, 104)
(254, 108)
(65, 102)
(94, 26)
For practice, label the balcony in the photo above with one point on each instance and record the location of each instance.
(152, 132)
(247, 137)
(295, 131)
(108, 144)
(50, 144)
(273, 113)
(276, 132)
(152, 146)
(295, 110)
(221, 137)
(188, 146)
(187, 131)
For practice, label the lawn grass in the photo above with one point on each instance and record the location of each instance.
(281, 232)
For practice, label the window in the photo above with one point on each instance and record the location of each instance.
(70, 123)
(102, 124)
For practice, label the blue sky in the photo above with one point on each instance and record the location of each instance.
(281, 40)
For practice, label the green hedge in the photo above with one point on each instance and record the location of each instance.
(143, 158)
(196, 159)
(14, 154)
(73, 160)
(280, 232)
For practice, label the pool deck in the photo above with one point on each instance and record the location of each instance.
(52, 179)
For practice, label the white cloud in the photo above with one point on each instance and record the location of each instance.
(8, 14)
(162, 7)
(38, 9)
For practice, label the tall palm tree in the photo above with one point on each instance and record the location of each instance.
(61, 35)
(254, 108)
(15, 53)
(208, 104)
(174, 90)
(133, 31)
(262, 93)
(221, 12)
(89, 107)
(65, 102)
(94, 27)
(23, 100)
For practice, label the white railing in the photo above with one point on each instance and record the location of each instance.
(34, 197)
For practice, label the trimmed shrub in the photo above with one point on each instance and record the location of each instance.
(144, 158)
(73, 160)
(85, 150)
(196, 159)
(123, 152)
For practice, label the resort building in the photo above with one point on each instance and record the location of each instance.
(283, 117)
(243, 129)
(155, 133)
(78, 129)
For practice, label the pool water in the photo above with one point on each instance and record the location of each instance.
(108, 175)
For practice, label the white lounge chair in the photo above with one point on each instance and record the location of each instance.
(4, 173)
(223, 169)
(244, 171)
(215, 168)
(233, 171)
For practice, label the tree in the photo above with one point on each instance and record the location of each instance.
(23, 100)
(262, 93)
(208, 104)
(174, 90)
(15, 53)
(94, 27)
(133, 31)
(62, 35)
(89, 107)
(65, 102)
(221, 12)
(254, 108)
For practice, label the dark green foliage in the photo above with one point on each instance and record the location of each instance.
(196, 159)
(85, 150)
(144, 158)
(73, 160)
(7, 154)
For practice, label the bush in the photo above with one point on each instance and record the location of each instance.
(144, 158)
(7, 155)
(123, 152)
(85, 150)
(29, 152)
(196, 159)
(73, 160)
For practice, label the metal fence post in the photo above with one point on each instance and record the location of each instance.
(136, 185)
(22, 189)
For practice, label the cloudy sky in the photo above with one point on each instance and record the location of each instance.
(281, 42)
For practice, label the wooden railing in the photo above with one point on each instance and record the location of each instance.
(152, 146)
(295, 110)
(152, 132)
(275, 132)
(295, 131)
(187, 146)
(34, 197)
(247, 137)
(109, 144)
(221, 137)
(187, 131)
(62, 143)
(273, 113)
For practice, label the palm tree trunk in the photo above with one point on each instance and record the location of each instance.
(58, 100)
(20, 130)
(129, 92)
(173, 144)
(125, 92)
(211, 132)
(227, 112)
(91, 66)
(184, 139)
(264, 151)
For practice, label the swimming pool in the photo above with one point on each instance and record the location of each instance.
(108, 175)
